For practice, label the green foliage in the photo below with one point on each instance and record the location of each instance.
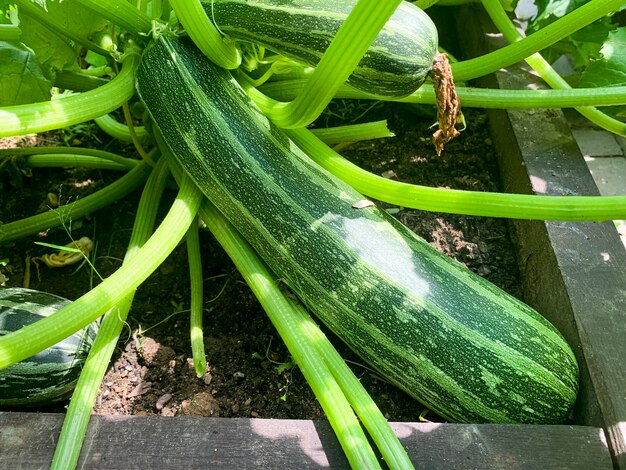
(610, 68)
(21, 78)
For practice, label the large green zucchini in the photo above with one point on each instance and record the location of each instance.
(460, 345)
(395, 65)
(51, 375)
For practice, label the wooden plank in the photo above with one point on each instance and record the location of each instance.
(27, 441)
(573, 273)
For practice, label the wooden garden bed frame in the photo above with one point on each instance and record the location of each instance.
(573, 273)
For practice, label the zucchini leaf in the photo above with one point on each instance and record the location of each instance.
(610, 68)
(21, 78)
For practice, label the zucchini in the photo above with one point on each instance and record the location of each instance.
(395, 65)
(449, 338)
(51, 375)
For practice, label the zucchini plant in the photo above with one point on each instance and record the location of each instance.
(227, 110)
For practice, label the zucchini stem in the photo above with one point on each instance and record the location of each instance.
(521, 48)
(543, 68)
(516, 206)
(68, 110)
(84, 397)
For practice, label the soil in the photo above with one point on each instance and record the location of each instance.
(250, 373)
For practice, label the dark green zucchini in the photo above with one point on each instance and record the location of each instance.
(395, 65)
(51, 375)
(449, 338)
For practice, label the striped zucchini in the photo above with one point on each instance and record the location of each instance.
(51, 375)
(395, 65)
(449, 338)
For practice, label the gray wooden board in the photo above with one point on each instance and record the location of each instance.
(27, 442)
(574, 273)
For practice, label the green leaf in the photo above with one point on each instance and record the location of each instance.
(610, 68)
(54, 51)
(21, 78)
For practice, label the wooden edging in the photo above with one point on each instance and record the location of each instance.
(27, 441)
(573, 273)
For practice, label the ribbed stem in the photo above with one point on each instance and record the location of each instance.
(121, 131)
(516, 206)
(474, 97)
(204, 33)
(68, 110)
(79, 208)
(76, 420)
(103, 154)
(521, 48)
(60, 160)
(290, 326)
(353, 132)
(196, 306)
(543, 68)
(121, 13)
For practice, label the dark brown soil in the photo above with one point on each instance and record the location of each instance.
(250, 372)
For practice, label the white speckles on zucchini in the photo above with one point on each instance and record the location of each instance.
(441, 333)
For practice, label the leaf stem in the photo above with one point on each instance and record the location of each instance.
(79, 208)
(121, 13)
(516, 206)
(521, 48)
(205, 35)
(73, 109)
(196, 310)
(473, 97)
(543, 68)
(290, 326)
(83, 399)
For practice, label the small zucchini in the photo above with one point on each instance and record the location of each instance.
(395, 65)
(51, 375)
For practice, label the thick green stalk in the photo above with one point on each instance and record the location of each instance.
(121, 131)
(68, 110)
(368, 412)
(347, 48)
(10, 32)
(543, 68)
(516, 206)
(474, 97)
(79, 411)
(522, 48)
(290, 327)
(33, 338)
(74, 210)
(77, 81)
(196, 310)
(353, 132)
(102, 154)
(61, 160)
(204, 33)
(122, 13)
